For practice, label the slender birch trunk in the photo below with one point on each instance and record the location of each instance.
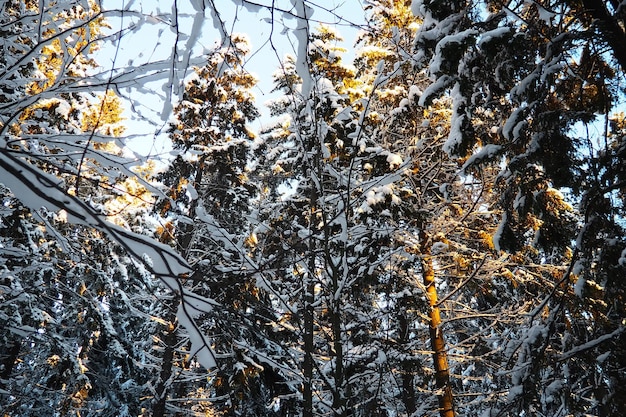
(307, 366)
(309, 314)
(339, 400)
(409, 395)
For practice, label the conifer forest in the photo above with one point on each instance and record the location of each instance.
(316, 208)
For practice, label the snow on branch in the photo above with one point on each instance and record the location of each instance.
(591, 344)
(37, 189)
(302, 34)
(191, 305)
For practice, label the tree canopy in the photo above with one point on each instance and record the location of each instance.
(226, 209)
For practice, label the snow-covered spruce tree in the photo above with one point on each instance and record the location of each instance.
(531, 84)
(210, 206)
(472, 295)
(395, 88)
(78, 319)
(45, 76)
(77, 309)
(333, 202)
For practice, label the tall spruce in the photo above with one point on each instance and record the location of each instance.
(77, 308)
(531, 84)
(209, 210)
(336, 200)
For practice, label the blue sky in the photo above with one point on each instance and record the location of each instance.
(153, 40)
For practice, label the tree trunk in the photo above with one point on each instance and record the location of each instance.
(184, 237)
(335, 310)
(440, 358)
(309, 317)
(307, 366)
(158, 410)
(408, 387)
(339, 402)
